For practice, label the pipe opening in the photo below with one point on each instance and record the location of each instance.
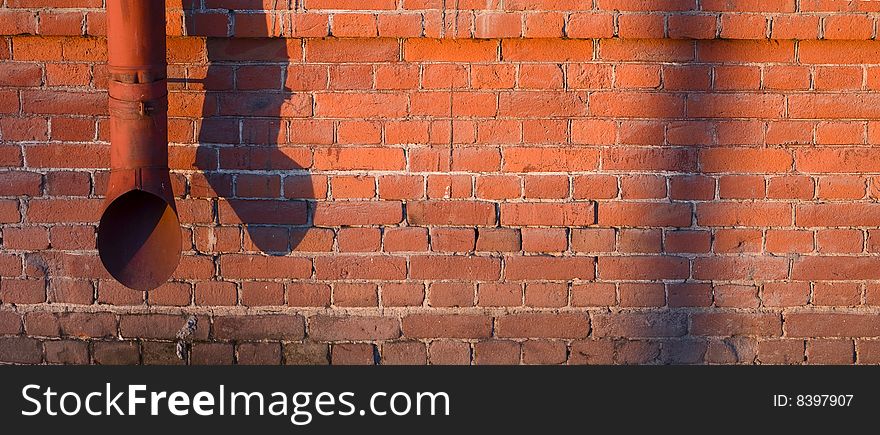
(139, 240)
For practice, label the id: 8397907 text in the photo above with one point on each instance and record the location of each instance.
(813, 400)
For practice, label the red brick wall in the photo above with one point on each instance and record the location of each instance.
(460, 181)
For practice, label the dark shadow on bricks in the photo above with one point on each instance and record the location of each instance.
(246, 146)
(693, 116)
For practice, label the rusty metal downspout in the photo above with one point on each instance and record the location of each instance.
(139, 237)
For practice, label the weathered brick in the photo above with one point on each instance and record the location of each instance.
(259, 327)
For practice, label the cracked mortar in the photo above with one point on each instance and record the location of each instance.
(184, 337)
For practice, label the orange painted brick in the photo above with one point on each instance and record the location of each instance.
(544, 25)
(498, 25)
(744, 26)
(692, 26)
(593, 295)
(450, 50)
(848, 27)
(648, 26)
(590, 25)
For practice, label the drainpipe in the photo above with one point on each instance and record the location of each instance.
(139, 238)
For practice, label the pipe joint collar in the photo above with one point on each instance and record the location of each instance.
(138, 91)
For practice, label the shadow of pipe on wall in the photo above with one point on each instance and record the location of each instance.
(692, 111)
(245, 150)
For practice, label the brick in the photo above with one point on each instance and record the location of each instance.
(256, 293)
(732, 351)
(254, 266)
(571, 214)
(64, 210)
(358, 213)
(497, 352)
(549, 268)
(10, 323)
(692, 26)
(88, 325)
(543, 326)
(360, 267)
(840, 241)
(160, 353)
(544, 240)
(66, 352)
(42, 324)
(532, 50)
(677, 177)
(306, 354)
(593, 295)
(445, 352)
(404, 294)
(848, 27)
(833, 268)
(451, 294)
(405, 239)
(332, 328)
(642, 295)
(592, 240)
(544, 25)
(646, 50)
(159, 326)
(687, 241)
(590, 25)
(115, 352)
(752, 51)
(461, 240)
(404, 353)
(643, 267)
(739, 268)
(837, 294)
(498, 240)
(830, 352)
(455, 267)
(22, 291)
(355, 295)
(450, 213)
(446, 326)
(212, 354)
(450, 50)
(215, 293)
(584, 352)
(544, 352)
(449, 186)
(734, 324)
(20, 350)
(636, 105)
(31, 238)
(258, 353)
(498, 25)
(169, 294)
(546, 295)
(743, 214)
(789, 241)
(867, 351)
(635, 325)
(818, 324)
(524, 159)
(588, 76)
(303, 294)
(664, 159)
(781, 351)
(746, 26)
(259, 327)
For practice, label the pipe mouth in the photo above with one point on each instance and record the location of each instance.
(139, 240)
